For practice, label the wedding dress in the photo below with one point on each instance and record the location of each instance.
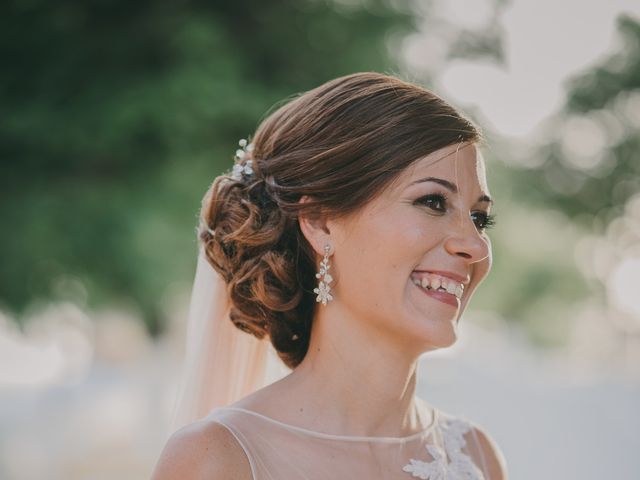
(224, 364)
(448, 449)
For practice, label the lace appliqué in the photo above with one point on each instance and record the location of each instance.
(460, 465)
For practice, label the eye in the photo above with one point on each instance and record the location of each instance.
(436, 201)
(483, 220)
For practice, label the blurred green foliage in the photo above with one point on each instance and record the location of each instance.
(117, 115)
(591, 182)
(572, 184)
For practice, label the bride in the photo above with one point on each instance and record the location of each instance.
(348, 238)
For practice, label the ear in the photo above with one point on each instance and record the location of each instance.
(315, 228)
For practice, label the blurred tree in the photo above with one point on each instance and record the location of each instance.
(117, 115)
(575, 182)
(590, 164)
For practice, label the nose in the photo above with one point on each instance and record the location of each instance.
(467, 242)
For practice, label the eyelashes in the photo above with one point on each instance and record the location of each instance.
(438, 203)
(434, 199)
(487, 220)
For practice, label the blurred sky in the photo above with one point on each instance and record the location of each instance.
(546, 41)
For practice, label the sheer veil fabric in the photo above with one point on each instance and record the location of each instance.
(222, 363)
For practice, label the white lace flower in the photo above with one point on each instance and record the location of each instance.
(434, 470)
(460, 465)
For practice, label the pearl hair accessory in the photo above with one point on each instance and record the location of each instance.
(241, 167)
(245, 168)
(323, 288)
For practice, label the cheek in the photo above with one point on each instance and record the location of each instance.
(411, 230)
(389, 249)
(387, 234)
(382, 250)
(357, 259)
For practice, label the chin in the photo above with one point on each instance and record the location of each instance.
(434, 334)
(437, 343)
(444, 339)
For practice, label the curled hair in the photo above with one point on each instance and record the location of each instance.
(341, 144)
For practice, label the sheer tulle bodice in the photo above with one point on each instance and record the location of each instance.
(447, 449)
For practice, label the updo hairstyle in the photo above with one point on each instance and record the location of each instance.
(341, 144)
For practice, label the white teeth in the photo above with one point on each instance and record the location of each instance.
(432, 282)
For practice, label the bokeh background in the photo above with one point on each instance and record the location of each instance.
(116, 116)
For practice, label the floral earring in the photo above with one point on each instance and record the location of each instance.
(323, 287)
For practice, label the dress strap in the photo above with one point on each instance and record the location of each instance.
(217, 415)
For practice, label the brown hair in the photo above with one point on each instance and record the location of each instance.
(341, 144)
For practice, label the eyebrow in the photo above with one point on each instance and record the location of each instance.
(451, 187)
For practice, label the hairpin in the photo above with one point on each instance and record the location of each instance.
(241, 167)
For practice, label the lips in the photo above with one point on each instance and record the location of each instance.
(448, 287)
(444, 297)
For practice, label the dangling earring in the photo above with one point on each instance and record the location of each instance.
(323, 287)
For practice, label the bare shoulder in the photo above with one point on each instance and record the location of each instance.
(495, 461)
(203, 449)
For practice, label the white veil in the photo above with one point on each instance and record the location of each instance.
(222, 363)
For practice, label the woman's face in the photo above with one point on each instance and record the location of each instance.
(429, 228)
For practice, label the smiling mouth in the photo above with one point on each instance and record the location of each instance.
(441, 295)
(439, 283)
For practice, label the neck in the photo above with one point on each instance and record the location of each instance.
(356, 381)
